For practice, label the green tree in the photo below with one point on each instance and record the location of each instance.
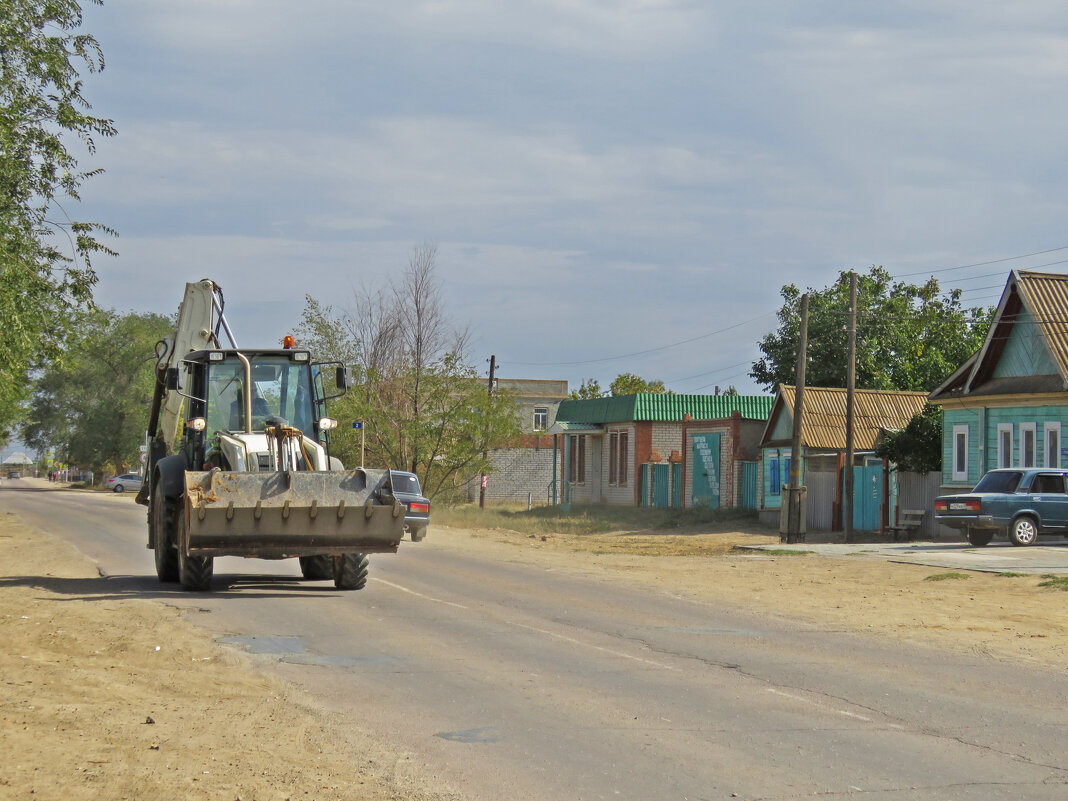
(916, 448)
(423, 406)
(590, 388)
(91, 407)
(631, 384)
(45, 270)
(909, 337)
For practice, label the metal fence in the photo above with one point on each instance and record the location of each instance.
(918, 491)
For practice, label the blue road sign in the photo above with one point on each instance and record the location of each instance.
(356, 424)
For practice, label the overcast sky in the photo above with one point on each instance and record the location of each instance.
(601, 177)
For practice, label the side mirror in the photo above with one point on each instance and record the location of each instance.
(342, 378)
(172, 379)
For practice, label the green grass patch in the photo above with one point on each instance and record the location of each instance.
(1010, 574)
(947, 577)
(783, 552)
(593, 519)
(1055, 582)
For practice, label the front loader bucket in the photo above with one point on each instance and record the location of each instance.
(292, 513)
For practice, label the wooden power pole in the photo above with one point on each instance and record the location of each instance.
(851, 380)
(485, 454)
(795, 510)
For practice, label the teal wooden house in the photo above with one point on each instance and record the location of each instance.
(1007, 405)
(823, 454)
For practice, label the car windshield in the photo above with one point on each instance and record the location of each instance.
(280, 388)
(1006, 481)
(405, 482)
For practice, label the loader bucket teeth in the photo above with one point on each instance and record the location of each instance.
(277, 514)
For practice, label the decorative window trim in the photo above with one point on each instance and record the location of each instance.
(959, 452)
(1028, 431)
(1005, 455)
(1054, 451)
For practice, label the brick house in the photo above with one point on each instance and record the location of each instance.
(526, 469)
(660, 450)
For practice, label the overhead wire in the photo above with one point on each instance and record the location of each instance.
(706, 335)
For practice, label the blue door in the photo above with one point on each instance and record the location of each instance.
(867, 497)
(705, 470)
(661, 486)
(750, 477)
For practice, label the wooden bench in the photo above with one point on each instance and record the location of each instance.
(908, 523)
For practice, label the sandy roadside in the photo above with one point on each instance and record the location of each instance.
(117, 698)
(103, 696)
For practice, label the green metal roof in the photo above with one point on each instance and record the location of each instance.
(664, 408)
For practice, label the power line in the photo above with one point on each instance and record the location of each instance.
(984, 263)
(650, 350)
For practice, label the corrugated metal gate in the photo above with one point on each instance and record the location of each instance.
(750, 483)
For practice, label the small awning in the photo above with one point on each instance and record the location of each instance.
(566, 427)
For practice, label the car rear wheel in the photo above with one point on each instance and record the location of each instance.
(120, 488)
(979, 538)
(1024, 531)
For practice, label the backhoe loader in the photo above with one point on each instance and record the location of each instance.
(249, 473)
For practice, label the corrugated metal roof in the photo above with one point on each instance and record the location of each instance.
(1046, 295)
(664, 408)
(823, 419)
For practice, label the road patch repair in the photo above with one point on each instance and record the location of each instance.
(998, 557)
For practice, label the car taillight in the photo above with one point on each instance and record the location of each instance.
(422, 508)
(941, 506)
(973, 506)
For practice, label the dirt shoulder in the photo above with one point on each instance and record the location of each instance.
(103, 695)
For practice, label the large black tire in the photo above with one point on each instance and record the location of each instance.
(1024, 531)
(162, 522)
(317, 568)
(350, 571)
(980, 537)
(194, 572)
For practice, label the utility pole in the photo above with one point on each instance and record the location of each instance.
(485, 454)
(851, 380)
(795, 509)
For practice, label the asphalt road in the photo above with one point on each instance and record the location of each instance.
(509, 681)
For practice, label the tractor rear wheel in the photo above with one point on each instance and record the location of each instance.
(162, 522)
(350, 571)
(317, 568)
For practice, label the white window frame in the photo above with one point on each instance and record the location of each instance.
(1028, 431)
(1047, 429)
(960, 436)
(1005, 455)
(541, 412)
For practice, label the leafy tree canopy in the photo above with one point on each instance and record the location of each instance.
(631, 384)
(917, 448)
(909, 337)
(45, 270)
(590, 388)
(91, 407)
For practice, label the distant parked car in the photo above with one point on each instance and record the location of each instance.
(127, 481)
(406, 489)
(14, 474)
(1021, 503)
